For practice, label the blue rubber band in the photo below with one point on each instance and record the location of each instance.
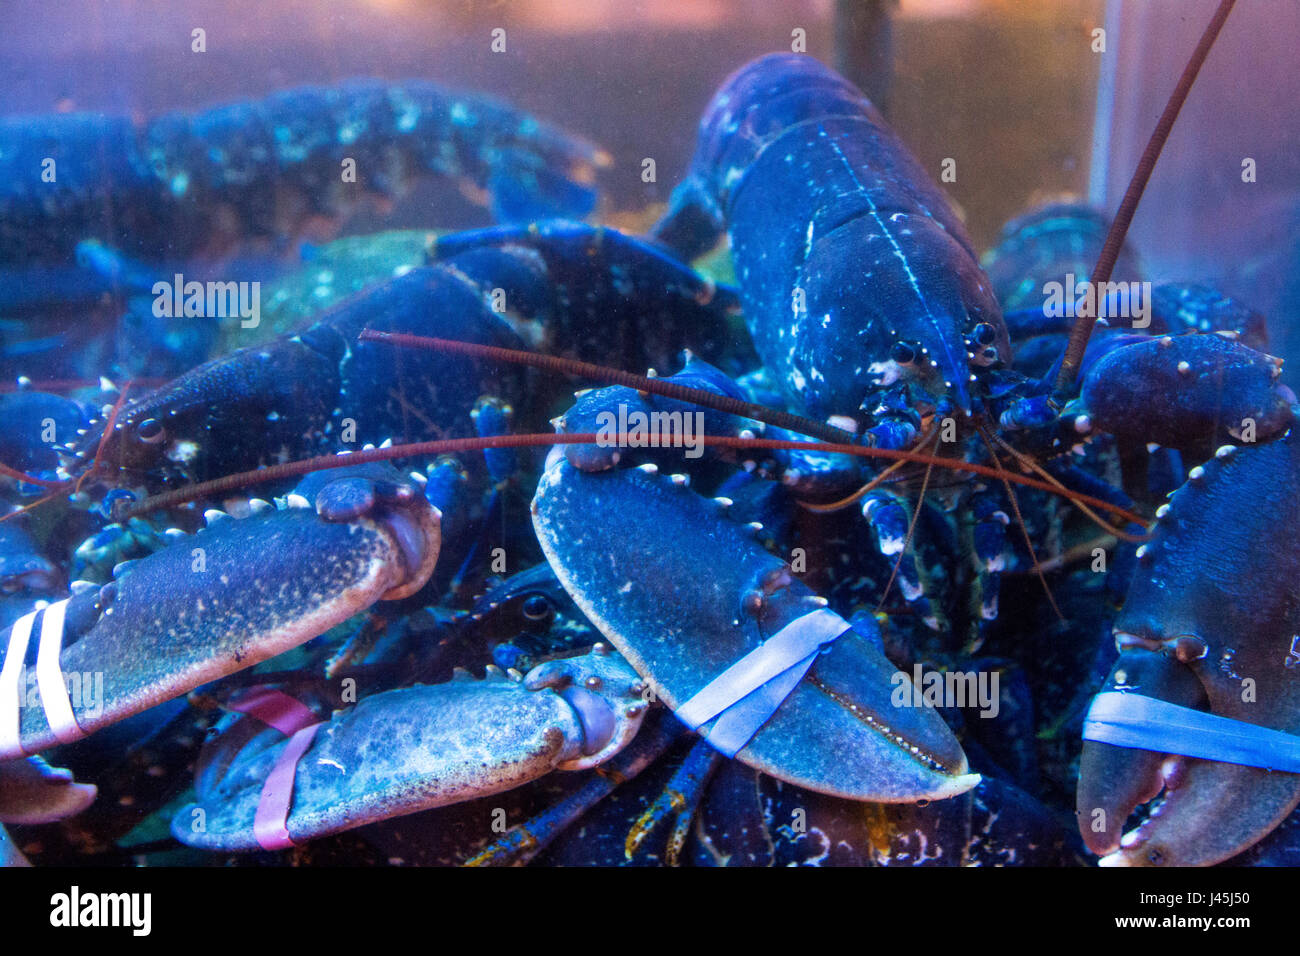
(738, 724)
(746, 695)
(1145, 723)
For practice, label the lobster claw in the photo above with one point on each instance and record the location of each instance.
(409, 749)
(1114, 780)
(1207, 633)
(686, 613)
(236, 593)
(31, 791)
(1211, 810)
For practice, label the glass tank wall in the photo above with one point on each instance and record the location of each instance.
(340, 524)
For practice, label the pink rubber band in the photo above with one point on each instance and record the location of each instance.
(294, 719)
(274, 708)
(270, 822)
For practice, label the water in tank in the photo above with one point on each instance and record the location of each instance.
(842, 432)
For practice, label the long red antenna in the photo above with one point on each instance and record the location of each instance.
(1083, 326)
(292, 469)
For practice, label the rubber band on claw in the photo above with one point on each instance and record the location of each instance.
(746, 695)
(1145, 723)
(49, 679)
(297, 721)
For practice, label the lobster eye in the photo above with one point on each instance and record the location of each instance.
(984, 334)
(150, 431)
(904, 353)
(536, 608)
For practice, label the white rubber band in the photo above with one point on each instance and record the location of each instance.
(11, 693)
(49, 677)
(1147, 723)
(790, 645)
(737, 725)
(746, 695)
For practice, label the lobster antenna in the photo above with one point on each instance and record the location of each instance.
(655, 386)
(291, 469)
(305, 466)
(1028, 462)
(870, 486)
(103, 440)
(22, 476)
(1083, 325)
(59, 486)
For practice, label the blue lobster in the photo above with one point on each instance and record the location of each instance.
(172, 178)
(868, 307)
(96, 208)
(553, 287)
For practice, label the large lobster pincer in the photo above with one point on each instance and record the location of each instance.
(1211, 621)
(237, 593)
(553, 285)
(405, 750)
(1175, 375)
(707, 626)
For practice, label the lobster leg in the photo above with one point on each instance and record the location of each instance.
(890, 517)
(523, 842)
(677, 803)
(992, 550)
